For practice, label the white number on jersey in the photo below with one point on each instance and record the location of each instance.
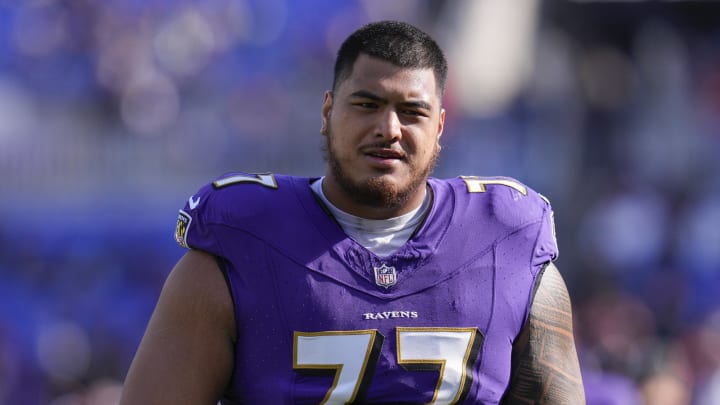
(477, 184)
(451, 351)
(265, 179)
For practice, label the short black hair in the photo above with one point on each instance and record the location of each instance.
(396, 42)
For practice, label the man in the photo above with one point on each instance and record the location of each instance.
(373, 284)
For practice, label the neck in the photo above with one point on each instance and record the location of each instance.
(343, 200)
(383, 237)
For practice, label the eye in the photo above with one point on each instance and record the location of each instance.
(414, 113)
(367, 105)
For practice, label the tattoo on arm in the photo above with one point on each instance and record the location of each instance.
(545, 367)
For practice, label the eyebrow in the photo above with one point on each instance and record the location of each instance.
(371, 96)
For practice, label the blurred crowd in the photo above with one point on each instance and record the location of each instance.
(112, 112)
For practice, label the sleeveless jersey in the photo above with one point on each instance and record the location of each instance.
(320, 319)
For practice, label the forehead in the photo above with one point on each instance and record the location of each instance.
(385, 79)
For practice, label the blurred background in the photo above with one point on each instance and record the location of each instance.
(113, 112)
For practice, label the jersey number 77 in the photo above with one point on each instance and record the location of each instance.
(352, 356)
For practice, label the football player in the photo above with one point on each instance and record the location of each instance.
(375, 283)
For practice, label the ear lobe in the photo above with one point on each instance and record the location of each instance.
(323, 128)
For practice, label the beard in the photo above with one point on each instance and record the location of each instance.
(377, 192)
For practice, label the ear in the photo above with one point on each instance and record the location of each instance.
(441, 124)
(326, 110)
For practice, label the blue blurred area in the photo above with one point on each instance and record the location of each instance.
(112, 113)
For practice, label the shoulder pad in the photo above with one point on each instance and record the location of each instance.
(511, 205)
(229, 200)
(508, 200)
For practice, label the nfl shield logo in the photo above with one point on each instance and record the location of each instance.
(385, 276)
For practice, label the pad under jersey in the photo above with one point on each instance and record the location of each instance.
(323, 320)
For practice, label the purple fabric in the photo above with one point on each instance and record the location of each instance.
(470, 269)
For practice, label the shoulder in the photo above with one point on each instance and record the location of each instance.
(237, 195)
(235, 200)
(506, 199)
(235, 188)
(500, 207)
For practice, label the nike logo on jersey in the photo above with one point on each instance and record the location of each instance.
(193, 203)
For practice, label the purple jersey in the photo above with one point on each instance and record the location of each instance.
(321, 319)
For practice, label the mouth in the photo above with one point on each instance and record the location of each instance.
(383, 153)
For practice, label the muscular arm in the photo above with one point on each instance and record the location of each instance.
(186, 355)
(545, 368)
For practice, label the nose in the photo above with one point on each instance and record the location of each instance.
(389, 126)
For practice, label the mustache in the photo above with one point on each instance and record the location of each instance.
(380, 145)
(384, 146)
(394, 145)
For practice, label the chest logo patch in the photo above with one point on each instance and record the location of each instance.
(385, 276)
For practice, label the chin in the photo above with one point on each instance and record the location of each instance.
(386, 188)
(383, 191)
